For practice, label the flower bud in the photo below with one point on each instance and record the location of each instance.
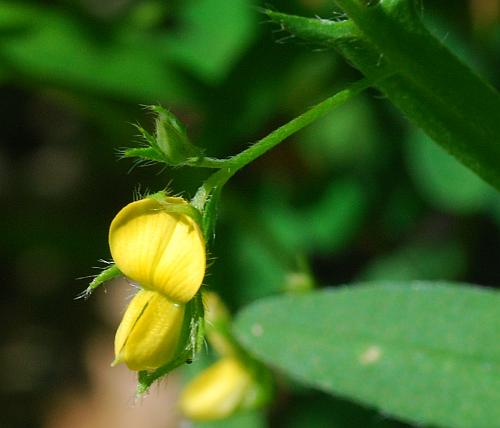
(149, 333)
(172, 139)
(216, 311)
(161, 249)
(219, 391)
(218, 324)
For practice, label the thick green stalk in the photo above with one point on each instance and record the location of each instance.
(437, 92)
(235, 163)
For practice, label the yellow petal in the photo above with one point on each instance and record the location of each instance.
(218, 391)
(149, 333)
(216, 311)
(217, 324)
(160, 250)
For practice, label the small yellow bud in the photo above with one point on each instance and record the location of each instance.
(215, 309)
(219, 391)
(217, 324)
(161, 250)
(149, 333)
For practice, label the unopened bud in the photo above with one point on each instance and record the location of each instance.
(172, 139)
(218, 324)
(221, 390)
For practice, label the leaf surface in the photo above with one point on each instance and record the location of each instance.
(424, 352)
(430, 86)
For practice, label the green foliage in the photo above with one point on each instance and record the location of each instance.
(109, 61)
(347, 136)
(424, 352)
(436, 174)
(248, 419)
(212, 37)
(169, 145)
(325, 226)
(431, 86)
(422, 260)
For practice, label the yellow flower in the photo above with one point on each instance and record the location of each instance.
(149, 333)
(219, 391)
(215, 309)
(218, 324)
(160, 249)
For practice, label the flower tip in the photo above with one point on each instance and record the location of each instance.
(118, 360)
(218, 392)
(150, 331)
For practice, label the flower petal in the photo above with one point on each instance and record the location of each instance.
(160, 250)
(149, 333)
(218, 391)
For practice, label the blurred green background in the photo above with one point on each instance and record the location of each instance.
(359, 195)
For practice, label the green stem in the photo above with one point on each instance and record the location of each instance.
(232, 165)
(205, 162)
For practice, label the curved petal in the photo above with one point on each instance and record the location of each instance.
(161, 250)
(218, 391)
(149, 333)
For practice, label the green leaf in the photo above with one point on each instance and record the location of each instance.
(54, 48)
(248, 419)
(436, 175)
(325, 226)
(424, 352)
(420, 260)
(212, 36)
(143, 153)
(347, 136)
(260, 269)
(427, 83)
(107, 274)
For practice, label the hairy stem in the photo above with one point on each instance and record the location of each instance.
(235, 163)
